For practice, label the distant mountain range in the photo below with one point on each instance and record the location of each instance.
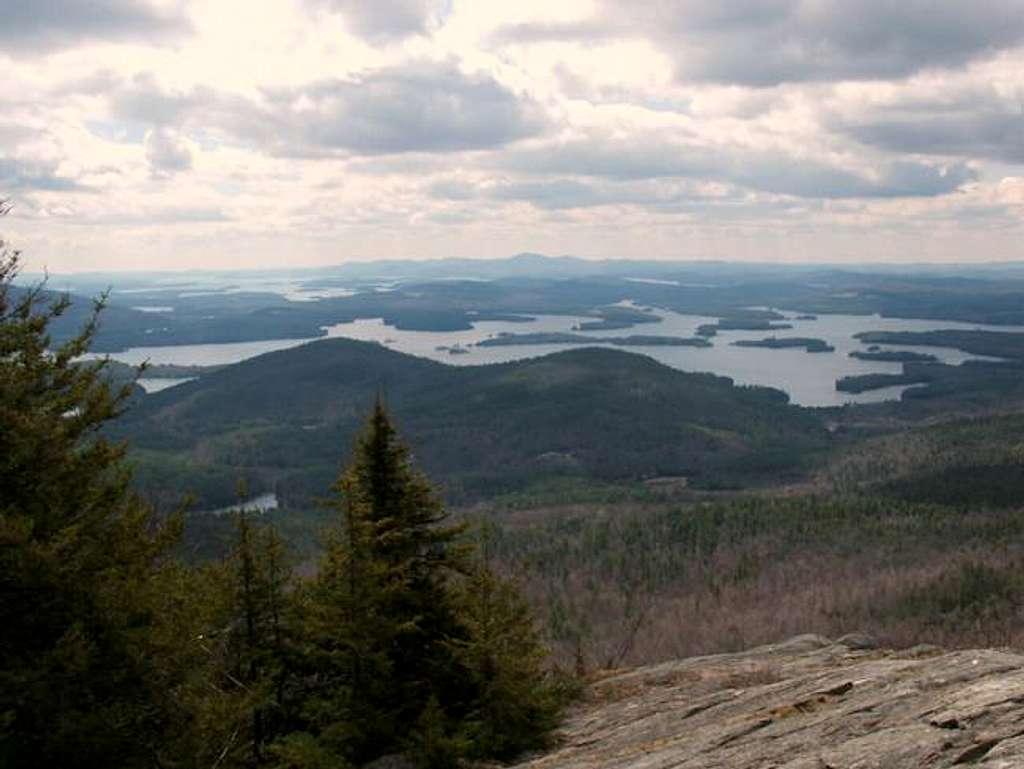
(526, 264)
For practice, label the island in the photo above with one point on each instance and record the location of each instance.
(636, 340)
(998, 344)
(776, 343)
(740, 324)
(893, 356)
(616, 317)
(861, 383)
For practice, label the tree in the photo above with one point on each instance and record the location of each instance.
(516, 703)
(413, 644)
(83, 618)
(242, 708)
(381, 612)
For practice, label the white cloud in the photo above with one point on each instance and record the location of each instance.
(169, 133)
(167, 154)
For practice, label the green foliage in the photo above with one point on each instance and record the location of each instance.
(431, 743)
(88, 665)
(400, 630)
(783, 343)
(516, 704)
(301, 750)
(380, 609)
(999, 344)
(965, 486)
(249, 648)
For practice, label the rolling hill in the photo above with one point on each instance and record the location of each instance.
(286, 420)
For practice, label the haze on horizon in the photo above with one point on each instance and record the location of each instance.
(222, 134)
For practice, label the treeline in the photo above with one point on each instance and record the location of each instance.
(113, 652)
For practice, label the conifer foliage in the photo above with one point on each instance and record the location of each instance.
(406, 653)
(80, 616)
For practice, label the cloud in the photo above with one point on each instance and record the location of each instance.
(417, 107)
(561, 193)
(12, 134)
(818, 179)
(167, 153)
(972, 124)
(46, 25)
(765, 170)
(384, 21)
(154, 216)
(769, 42)
(19, 174)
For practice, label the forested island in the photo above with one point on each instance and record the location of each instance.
(633, 340)
(893, 356)
(741, 324)
(860, 383)
(784, 343)
(998, 344)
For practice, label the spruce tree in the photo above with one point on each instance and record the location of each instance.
(412, 644)
(516, 702)
(82, 618)
(382, 614)
(244, 708)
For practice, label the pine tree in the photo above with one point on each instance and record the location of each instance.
(516, 703)
(382, 613)
(412, 645)
(82, 614)
(244, 708)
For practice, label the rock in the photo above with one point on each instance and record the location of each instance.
(920, 651)
(803, 704)
(806, 642)
(857, 641)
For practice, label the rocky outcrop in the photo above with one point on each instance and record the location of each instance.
(808, 703)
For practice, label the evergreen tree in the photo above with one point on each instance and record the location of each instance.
(249, 646)
(382, 613)
(83, 612)
(412, 645)
(516, 703)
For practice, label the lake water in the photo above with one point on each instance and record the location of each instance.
(154, 385)
(809, 378)
(201, 354)
(262, 504)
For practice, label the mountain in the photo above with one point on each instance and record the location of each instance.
(286, 419)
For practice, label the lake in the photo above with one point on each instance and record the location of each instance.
(808, 378)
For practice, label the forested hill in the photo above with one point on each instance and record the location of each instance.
(285, 420)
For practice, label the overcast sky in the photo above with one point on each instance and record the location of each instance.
(177, 134)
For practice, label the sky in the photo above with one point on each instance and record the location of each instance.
(191, 134)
